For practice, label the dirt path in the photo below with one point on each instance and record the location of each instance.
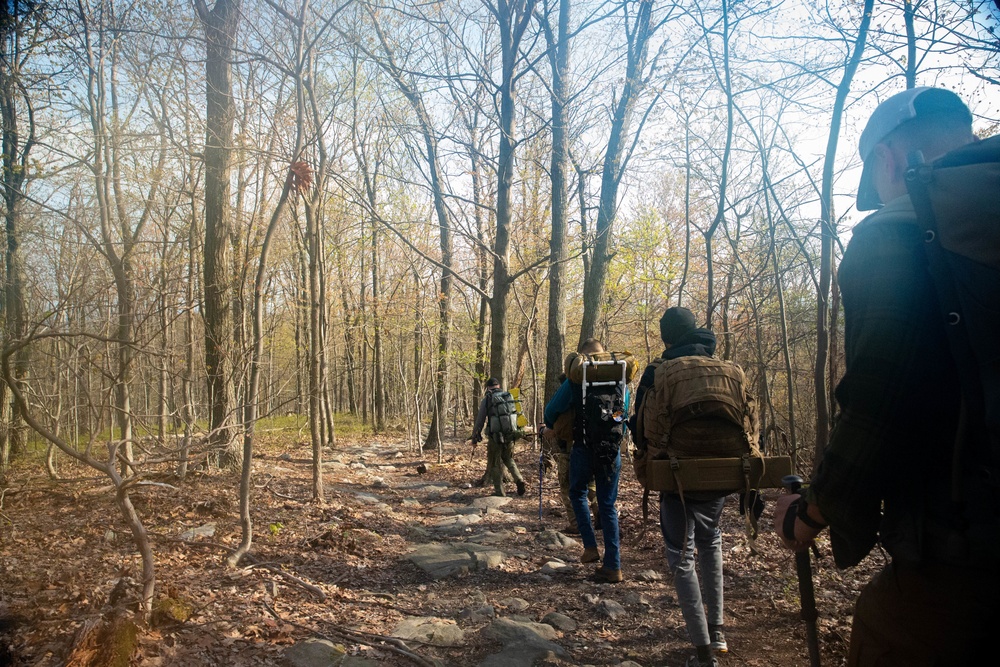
(62, 547)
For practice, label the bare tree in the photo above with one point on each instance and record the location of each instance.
(19, 38)
(220, 25)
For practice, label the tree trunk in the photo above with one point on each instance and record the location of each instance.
(220, 25)
(556, 336)
(612, 170)
(828, 235)
(17, 143)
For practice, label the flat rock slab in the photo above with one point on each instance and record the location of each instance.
(455, 511)
(314, 653)
(494, 502)
(458, 559)
(489, 537)
(430, 630)
(456, 524)
(208, 530)
(430, 488)
(649, 575)
(524, 643)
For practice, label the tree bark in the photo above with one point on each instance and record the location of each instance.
(220, 25)
(556, 336)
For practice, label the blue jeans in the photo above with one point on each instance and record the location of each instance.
(694, 524)
(581, 469)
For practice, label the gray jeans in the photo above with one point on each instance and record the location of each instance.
(699, 521)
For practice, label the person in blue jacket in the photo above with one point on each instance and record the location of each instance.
(583, 467)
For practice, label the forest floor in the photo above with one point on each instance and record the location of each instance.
(63, 546)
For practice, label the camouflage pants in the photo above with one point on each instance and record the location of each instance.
(562, 463)
(500, 455)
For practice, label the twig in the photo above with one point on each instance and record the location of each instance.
(282, 495)
(315, 590)
(392, 644)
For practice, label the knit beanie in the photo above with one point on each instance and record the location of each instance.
(676, 322)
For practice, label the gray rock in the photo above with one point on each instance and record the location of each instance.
(418, 534)
(515, 604)
(556, 567)
(494, 502)
(455, 524)
(490, 537)
(430, 630)
(553, 539)
(629, 663)
(457, 559)
(368, 498)
(508, 631)
(207, 530)
(411, 503)
(430, 489)
(285, 457)
(590, 598)
(649, 575)
(357, 661)
(559, 621)
(611, 609)
(478, 614)
(314, 653)
(639, 599)
(524, 643)
(521, 618)
(455, 511)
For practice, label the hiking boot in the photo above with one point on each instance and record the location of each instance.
(521, 487)
(718, 641)
(693, 661)
(590, 555)
(603, 575)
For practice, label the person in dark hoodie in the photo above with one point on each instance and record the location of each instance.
(690, 522)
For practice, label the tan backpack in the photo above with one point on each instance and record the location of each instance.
(698, 409)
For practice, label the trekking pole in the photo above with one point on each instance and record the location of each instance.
(803, 569)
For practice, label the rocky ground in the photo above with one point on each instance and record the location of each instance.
(396, 567)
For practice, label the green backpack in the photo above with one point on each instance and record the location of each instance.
(501, 414)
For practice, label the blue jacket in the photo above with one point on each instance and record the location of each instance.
(562, 401)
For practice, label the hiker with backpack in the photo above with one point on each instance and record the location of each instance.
(689, 404)
(558, 441)
(912, 459)
(598, 430)
(498, 414)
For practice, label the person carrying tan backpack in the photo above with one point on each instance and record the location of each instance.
(691, 405)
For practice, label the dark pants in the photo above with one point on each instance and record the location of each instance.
(926, 615)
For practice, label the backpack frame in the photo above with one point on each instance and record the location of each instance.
(604, 368)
